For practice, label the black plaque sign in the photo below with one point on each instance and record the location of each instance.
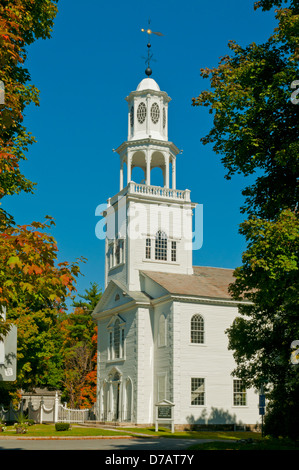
(164, 412)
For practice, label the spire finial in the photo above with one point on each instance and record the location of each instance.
(148, 70)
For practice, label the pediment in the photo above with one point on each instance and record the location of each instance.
(116, 296)
(165, 403)
(113, 320)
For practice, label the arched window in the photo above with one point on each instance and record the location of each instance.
(116, 340)
(162, 331)
(161, 246)
(197, 329)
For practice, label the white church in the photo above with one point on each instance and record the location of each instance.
(161, 320)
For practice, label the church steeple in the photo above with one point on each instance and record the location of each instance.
(148, 111)
(147, 145)
(149, 226)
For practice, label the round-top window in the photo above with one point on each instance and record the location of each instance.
(141, 113)
(155, 113)
(132, 116)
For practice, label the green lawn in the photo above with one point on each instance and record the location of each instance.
(165, 432)
(222, 440)
(77, 430)
(40, 430)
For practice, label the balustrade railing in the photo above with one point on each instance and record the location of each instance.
(139, 188)
(155, 191)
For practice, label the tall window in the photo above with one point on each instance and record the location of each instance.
(122, 342)
(116, 339)
(110, 256)
(197, 329)
(148, 244)
(197, 391)
(240, 398)
(110, 355)
(115, 253)
(161, 246)
(119, 251)
(173, 251)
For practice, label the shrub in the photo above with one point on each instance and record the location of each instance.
(62, 426)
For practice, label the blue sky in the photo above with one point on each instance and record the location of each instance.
(84, 72)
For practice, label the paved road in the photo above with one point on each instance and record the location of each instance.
(151, 444)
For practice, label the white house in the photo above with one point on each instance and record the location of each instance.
(161, 320)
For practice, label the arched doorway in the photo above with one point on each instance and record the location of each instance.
(114, 402)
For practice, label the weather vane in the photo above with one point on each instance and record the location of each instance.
(148, 70)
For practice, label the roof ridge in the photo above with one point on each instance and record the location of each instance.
(213, 267)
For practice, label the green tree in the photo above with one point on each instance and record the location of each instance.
(91, 297)
(21, 23)
(256, 132)
(268, 280)
(40, 340)
(33, 285)
(255, 124)
(80, 350)
(34, 288)
(262, 337)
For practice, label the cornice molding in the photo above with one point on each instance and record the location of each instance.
(140, 143)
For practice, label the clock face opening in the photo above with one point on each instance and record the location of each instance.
(155, 113)
(141, 112)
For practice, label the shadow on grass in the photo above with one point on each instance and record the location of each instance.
(263, 444)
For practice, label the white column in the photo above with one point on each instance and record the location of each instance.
(147, 119)
(121, 175)
(129, 167)
(148, 168)
(166, 181)
(56, 405)
(173, 173)
(161, 115)
(166, 124)
(129, 124)
(110, 410)
(120, 402)
(41, 405)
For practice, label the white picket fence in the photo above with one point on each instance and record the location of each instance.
(68, 415)
(56, 414)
